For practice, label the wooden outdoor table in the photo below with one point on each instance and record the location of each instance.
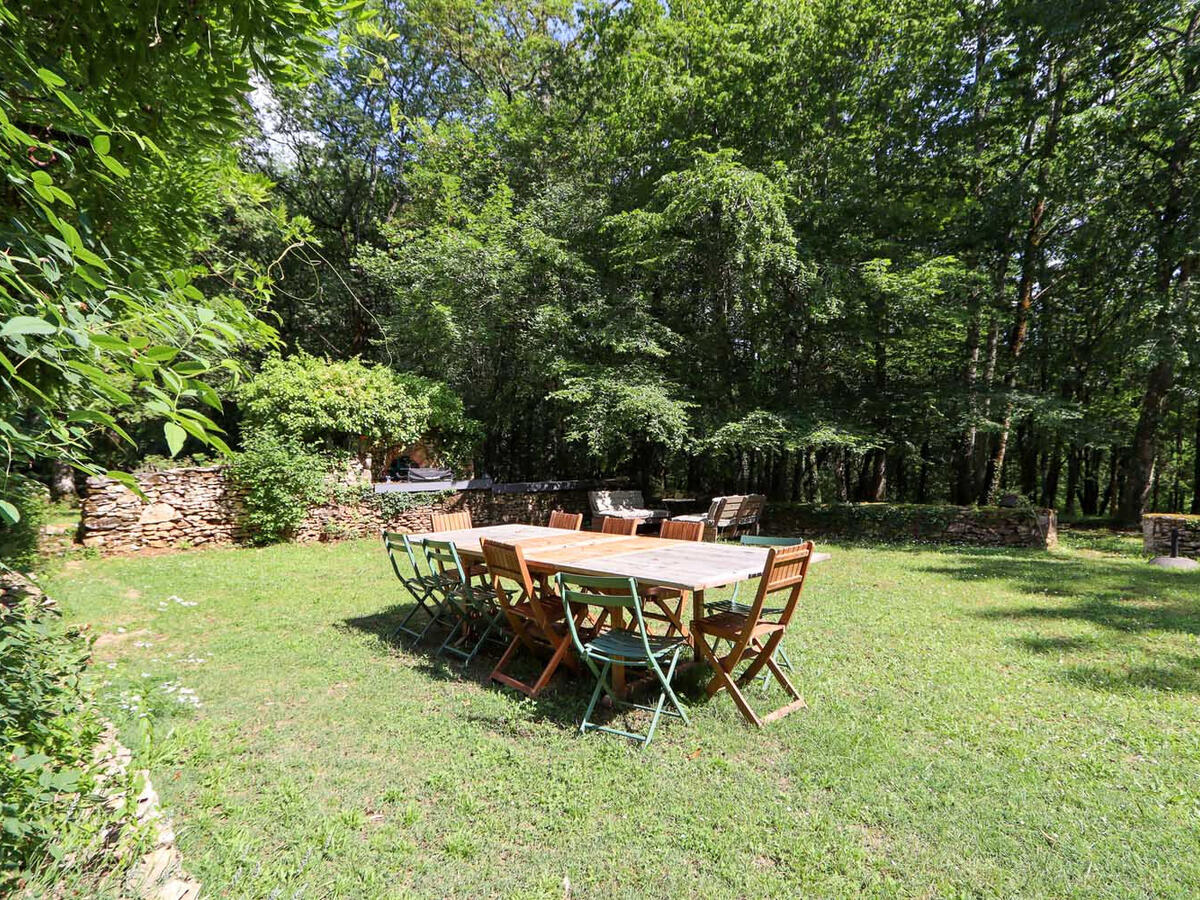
(687, 566)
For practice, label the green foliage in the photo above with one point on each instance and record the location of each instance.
(353, 405)
(112, 160)
(50, 811)
(943, 247)
(19, 533)
(612, 411)
(392, 504)
(280, 479)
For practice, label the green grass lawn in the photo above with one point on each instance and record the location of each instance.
(980, 723)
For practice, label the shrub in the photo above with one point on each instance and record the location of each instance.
(19, 540)
(280, 479)
(51, 809)
(354, 405)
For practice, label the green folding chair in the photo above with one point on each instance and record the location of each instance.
(419, 584)
(471, 613)
(629, 644)
(732, 605)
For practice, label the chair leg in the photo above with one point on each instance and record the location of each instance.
(784, 662)
(421, 605)
(564, 646)
(601, 682)
(665, 694)
(721, 679)
(439, 610)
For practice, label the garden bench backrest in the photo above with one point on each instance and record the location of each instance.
(614, 501)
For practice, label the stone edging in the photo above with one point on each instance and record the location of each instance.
(159, 873)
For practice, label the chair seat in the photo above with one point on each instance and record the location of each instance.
(626, 645)
(742, 609)
(691, 517)
(730, 625)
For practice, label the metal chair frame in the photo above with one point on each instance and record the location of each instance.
(467, 605)
(620, 646)
(420, 584)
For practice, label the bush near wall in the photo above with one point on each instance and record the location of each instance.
(989, 526)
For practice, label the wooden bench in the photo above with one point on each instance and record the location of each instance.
(737, 513)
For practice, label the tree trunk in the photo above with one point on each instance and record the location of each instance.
(1031, 258)
(1053, 471)
(62, 481)
(839, 475)
(923, 477)
(1196, 466)
(1072, 480)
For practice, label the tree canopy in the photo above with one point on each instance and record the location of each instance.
(918, 251)
(915, 250)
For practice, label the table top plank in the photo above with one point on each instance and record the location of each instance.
(683, 565)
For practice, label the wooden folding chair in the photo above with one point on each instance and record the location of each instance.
(732, 604)
(618, 525)
(661, 596)
(569, 521)
(537, 622)
(755, 634)
(459, 521)
(453, 521)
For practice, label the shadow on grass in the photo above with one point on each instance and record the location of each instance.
(1171, 672)
(1039, 644)
(1123, 596)
(1127, 598)
(561, 703)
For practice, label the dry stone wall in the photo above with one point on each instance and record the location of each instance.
(198, 507)
(1156, 534)
(192, 507)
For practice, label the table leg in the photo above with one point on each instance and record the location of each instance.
(697, 613)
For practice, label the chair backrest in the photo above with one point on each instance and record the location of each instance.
(618, 525)
(762, 540)
(506, 562)
(443, 557)
(682, 531)
(454, 521)
(608, 501)
(392, 542)
(785, 570)
(608, 593)
(569, 521)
